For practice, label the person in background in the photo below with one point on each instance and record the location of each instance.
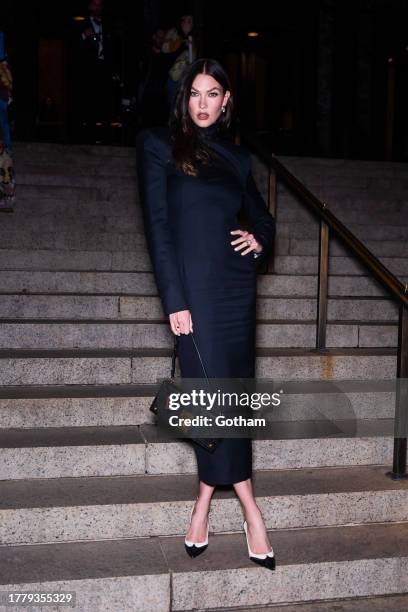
(97, 75)
(180, 43)
(152, 90)
(6, 85)
(7, 179)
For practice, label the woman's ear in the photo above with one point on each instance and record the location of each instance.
(226, 97)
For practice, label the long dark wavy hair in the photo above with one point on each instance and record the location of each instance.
(187, 147)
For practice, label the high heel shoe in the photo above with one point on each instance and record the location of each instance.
(265, 559)
(196, 548)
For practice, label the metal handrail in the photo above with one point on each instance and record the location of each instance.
(384, 275)
(397, 290)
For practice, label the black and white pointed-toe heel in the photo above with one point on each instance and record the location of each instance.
(196, 548)
(265, 559)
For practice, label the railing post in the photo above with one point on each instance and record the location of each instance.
(272, 192)
(399, 465)
(272, 205)
(323, 283)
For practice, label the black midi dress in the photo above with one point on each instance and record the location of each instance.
(188, 220)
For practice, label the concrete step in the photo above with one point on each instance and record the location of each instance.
(50, 259)
(147, 366)
(347, 216)
(338, 199)
(78, 282)
(61, 151)
(56, 334)
(344, 168)
(104, 408)
(79, 240)
(138, 259)
(291, 445)
(60, 172)
(129, 450)
(147, 307)
(92, 206)
(122, 283)
(44, 511)
(58, 149)
(50, 222)
(44, 406)
(156, 574)
(126, 190)
(133, 239)
(61, 175)
(364, 231)
(338, 187)
(297, 285)
(126, 216)
(307, 264)
(389, 603)
(39, 203)
(65, 452)
(296, 246)
(75, 165)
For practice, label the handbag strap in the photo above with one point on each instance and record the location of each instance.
(173, 359)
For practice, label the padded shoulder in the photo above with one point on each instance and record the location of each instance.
(156, 138)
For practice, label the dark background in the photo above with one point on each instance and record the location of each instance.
(323, 77)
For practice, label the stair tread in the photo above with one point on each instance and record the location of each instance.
(165, 352)
(171, 488)
(150, 433)
(70, 436)
(63, 321)
(158, 555)
(382, 603)
(62, 391)
(149, 390)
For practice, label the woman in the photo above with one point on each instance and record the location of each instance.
(194, 184)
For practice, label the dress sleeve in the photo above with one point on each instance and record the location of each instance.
(152, 179)
(260, 219)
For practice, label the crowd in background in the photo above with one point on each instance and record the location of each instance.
(96, 96)
(7, 180)
(98, 63)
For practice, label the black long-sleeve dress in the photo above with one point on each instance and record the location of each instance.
(188, 220)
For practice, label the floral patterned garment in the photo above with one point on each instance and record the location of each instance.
(7, 179)
(6, 81)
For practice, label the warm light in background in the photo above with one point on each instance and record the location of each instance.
(252, 34)
(79, 18)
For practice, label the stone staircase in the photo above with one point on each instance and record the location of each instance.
(94, 500)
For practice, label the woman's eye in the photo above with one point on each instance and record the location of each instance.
(213, 94)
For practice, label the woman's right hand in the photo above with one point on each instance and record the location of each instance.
(181, 322)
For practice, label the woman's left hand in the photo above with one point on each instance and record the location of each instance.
(246, 240)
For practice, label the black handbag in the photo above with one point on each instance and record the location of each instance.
(160, 403)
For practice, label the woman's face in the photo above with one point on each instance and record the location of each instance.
(206, 100)
(186, 24)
